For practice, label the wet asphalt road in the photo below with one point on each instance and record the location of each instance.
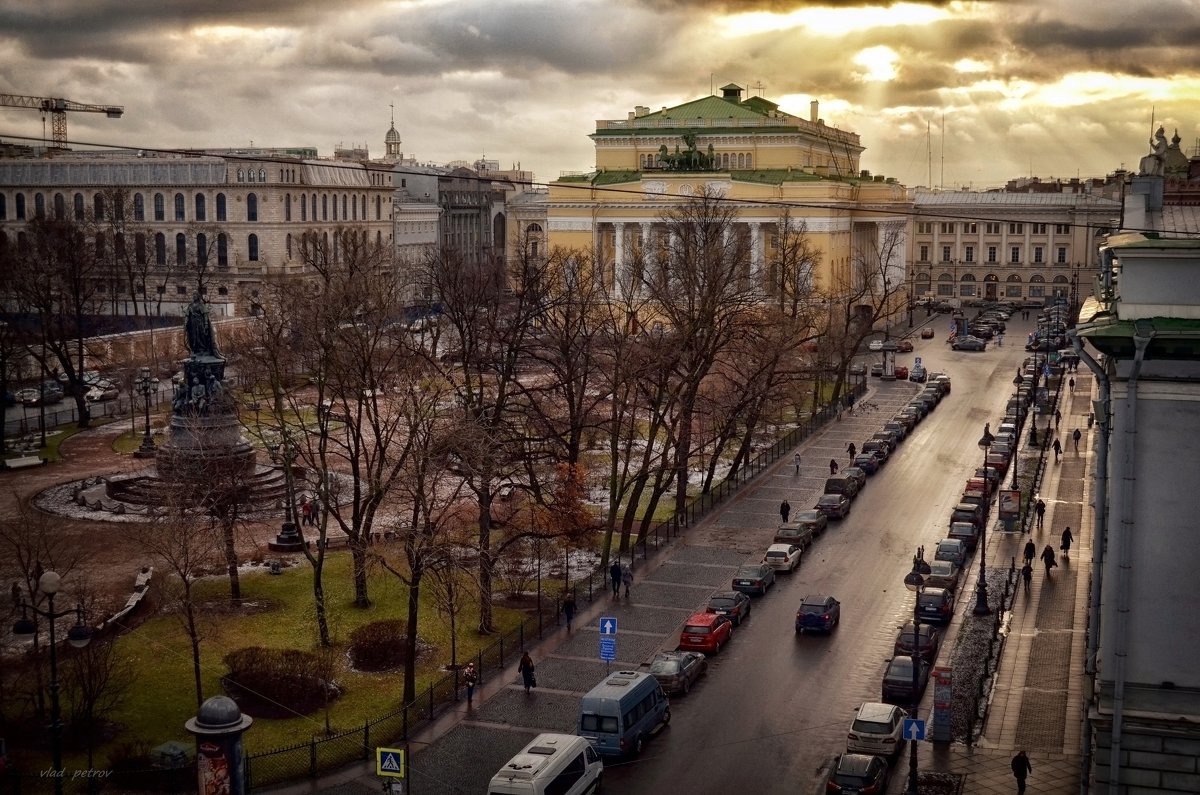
(774, 709)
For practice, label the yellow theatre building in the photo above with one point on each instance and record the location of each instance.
(762, 159)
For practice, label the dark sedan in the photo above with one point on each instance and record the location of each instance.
(818, 613)
(878, 448)
(898, 680)
(928, 640)
(834, 506)
(812, 520)
(858, 774)
(754, 578)
(935, 605)
(867, 463)
(734, 605)
(968, 344)
(677, 671)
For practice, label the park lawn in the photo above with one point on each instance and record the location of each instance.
(163, 699)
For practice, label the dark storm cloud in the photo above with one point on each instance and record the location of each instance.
(779, 6)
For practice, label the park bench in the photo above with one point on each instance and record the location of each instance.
(21, 462)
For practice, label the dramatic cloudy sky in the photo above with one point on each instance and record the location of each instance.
(1050, 87)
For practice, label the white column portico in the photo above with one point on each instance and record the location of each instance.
(756, 255)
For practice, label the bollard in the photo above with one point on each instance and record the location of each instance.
(366, 739)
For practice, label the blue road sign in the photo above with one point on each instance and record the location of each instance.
(608, 625)
(389, 762)
(608, 649)
(918, 361)
(914, 729)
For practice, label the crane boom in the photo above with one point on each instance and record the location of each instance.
(57, 108)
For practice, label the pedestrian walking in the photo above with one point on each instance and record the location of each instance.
(1071, 384)
(1027, 575)
(470, 679)
(1021, 768)
(526, 669)
(1067, 538)
(614, 574)
(1057, 418)
(999, 340)
(852, 451)
(833, 466)
(1057, 450)
(1091, 419)
(1048, 558)
(568, 607)
(1030, 551)
(1040, 509)
(784, 509)
(627, 578)
(1076, 435)
(796, 460)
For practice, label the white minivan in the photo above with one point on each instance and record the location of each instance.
(560, 764)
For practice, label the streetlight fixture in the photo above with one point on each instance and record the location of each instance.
(78, 636)
(146, 386)
(915, 582)
(981, 597)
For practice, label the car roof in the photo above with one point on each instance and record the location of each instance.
(751, 565)
(809, 514)
(855, 763)
(815, 599)
(875, 711)
(831, 498)
(942, 564)
(946, 542)
(699, 619)
(781, 548)
(726, 595)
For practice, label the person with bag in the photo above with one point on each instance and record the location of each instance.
(614, 574)
(1067, 538)
(1027, 575)
(1076, 435)
(1021, 768)
(1030, 551)
(470, 679)
(627, 578)
(526, 669)
(568, 608)
(1048, 559)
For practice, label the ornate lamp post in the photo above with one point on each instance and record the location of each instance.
(915, 582)
(78, 636)
(146, 386)
(981, 597)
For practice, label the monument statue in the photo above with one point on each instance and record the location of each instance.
(1152, 164)
(198, 326)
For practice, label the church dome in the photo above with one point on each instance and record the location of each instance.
(392, 136)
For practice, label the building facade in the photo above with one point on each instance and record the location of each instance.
(764, 161)
(239, 214)
(999, 245)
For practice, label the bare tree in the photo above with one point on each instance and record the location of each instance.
(95, 682)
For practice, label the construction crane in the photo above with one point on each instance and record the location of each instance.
(57, 108)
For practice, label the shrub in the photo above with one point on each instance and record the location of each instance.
(276, 683)
(378, 646)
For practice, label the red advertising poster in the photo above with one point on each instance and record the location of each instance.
(1010, 504)
(212, 769)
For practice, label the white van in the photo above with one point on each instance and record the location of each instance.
(553, 764)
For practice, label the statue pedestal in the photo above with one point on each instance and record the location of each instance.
(289, 539)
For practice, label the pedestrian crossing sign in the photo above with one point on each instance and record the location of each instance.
(389, 762)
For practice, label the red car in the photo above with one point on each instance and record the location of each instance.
(706, 632)
(902, 371)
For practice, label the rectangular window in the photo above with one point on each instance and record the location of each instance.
(1037, 254)
(1061, 256)
(1016, 229)
(945, 288)
(969, 254)
(993, 229)
(971, 228)
(1039, 229)
(1016, 254)
(945, 253)
(991, 253)
(181, 290)
(1062, 229)
(947, 228)
(1012, 291)
(967, 290)
(924, 228)
(1037, 291)
(924, 254)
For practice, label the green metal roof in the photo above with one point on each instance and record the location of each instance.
(777, 176)
(705, 108)
(1174, 338)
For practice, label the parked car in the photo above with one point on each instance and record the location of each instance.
(918, 374)
(782, 557)
(968, 344)
(677, 671)
(927, 333)
(105, 390)
(904, 346)
(928, 641)
(875, 345)
(951, 549)
(859, 475)
(876, 729)
(968, 514)
(897, 427)
(901, 372)
(857, 773)
(866, 462)
(877, 370)
(943, 574)
(906, 418)
(754, 578)
(842, 484)
(818, 613)
(705, 632)
(935, 605)
(891, 439)
(942, 382)
(834, 506)
(793, 533)
(897, 686)
(858, 368)
(813, 520)
(734, 605)
(46, 393)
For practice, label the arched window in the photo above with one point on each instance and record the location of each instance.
(20, 206)
(250, 175)
(201, 250)
(100, 253)
(39, 206)
(344, 216)
(160, 249)
(251, 207)
(378, 238)
(60, 206)
(289, 246)
(222, 251)
(364, 206)
(179, 208)
(324, 207)
(303, 210)
(354, 207)
(201, 210)
(1060, 279)
(252, 248)
(287, 206)
(262, 175)
(378, 208)
(241, 175)
(159, 208)
(98, 206)
(139, 248)
(119, 247)
(77, 206)
(313, 204)
(3, 207)
(180, 249)
(335, 211)
(221, 215)
(139, 207)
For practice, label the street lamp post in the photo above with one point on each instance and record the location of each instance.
(146, 386)
(78, 636)
(915, 582)
(981, 597)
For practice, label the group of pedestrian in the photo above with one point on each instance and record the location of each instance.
(308, 511)
(1047, 557)
(620, 575)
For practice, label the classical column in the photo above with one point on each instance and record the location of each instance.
(756, 256)
(619, 257)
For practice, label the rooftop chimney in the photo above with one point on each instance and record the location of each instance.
(812, 111)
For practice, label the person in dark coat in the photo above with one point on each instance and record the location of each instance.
(1057, 450)
(526, 670)
(1040, 508)
(470, 679)
(1067, 538)
(568, 608)
(614, 574)
(1021, 768)
(852, 451)
(1030, 551)
(1027, 574)
(833, 467)
(1076, 435)
(784, 510)
(1048, 558)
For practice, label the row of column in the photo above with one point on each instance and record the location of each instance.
(619, 254)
